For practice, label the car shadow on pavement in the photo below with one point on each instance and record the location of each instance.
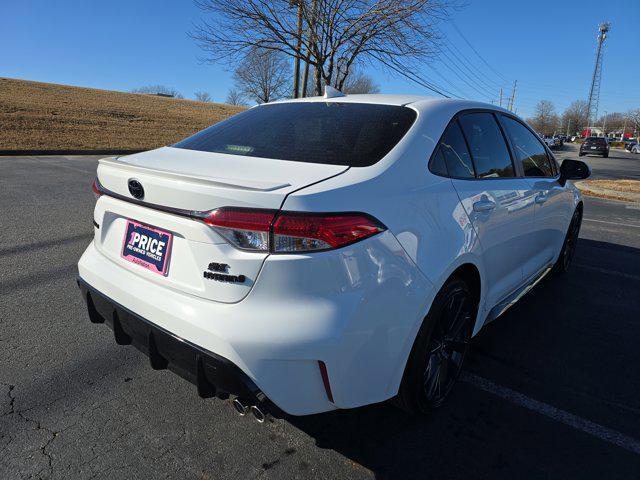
(571, 342)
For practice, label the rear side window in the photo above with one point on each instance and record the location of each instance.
(488, 148)
(350, 134)
(528, 149)
(437, 164)
(455, 153)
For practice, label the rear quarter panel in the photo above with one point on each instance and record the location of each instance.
(422, 210)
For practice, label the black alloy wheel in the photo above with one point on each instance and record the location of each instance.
(447, 348)
(570, 244)
(440, 348)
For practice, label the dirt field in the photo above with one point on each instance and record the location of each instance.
(626, 190)
(629, 186)
(45, 116)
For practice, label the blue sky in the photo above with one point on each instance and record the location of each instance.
(119, 45)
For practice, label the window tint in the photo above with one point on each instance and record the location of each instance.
(352, 134)
(456, 155)
(437, 164)
(488, 148)
(528, 149)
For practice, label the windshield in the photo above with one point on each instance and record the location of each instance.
(351, 134)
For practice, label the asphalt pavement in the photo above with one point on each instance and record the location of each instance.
(551, 389)
(619, 164)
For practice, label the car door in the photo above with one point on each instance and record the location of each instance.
(553, 202)
(499, 204)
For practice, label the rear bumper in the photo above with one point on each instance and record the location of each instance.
(212, 374)
(356, 310)
(597, 151)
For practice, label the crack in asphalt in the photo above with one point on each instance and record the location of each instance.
(38, 426)
(12, 399)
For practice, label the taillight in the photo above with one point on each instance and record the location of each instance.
(246, 229)
(291, 232)
(95, 189)
(302, 232)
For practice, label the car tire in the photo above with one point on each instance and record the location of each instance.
(438, 353)
(605, 155)
(569, 246)
(581, 154)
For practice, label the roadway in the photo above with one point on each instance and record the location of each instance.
(550, 389)
(619, 164)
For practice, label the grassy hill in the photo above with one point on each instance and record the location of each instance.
(45, 116)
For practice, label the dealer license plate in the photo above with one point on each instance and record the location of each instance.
(147, 246)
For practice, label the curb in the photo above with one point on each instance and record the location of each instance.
(18, 153)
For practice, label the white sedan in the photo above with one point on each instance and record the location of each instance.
(327, 253)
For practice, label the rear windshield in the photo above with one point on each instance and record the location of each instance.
(351, 134)
(596, 141)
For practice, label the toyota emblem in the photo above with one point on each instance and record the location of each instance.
(135, 189)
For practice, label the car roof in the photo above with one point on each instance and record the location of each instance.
(419, 102)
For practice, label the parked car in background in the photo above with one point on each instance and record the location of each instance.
(630, 143)
(635, 148)
(549, 141)
(595, 146)
(552, 142)
(298, 255)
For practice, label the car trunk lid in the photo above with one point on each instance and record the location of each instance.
(179, 184)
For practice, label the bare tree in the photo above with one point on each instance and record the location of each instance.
(234, 97)
(355, 83)
(262, 76)
(634, 119)
(358, 82)
(158, 90)
(575, 116)
(613, 122)
(340, 33)
(203, 97)
(545, 120)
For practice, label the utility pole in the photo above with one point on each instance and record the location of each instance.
(513, 96)
(596, 79)
(604, 124)
(568, 123)
(310, 37)
(500, 96)
(624, 128)
(296, 61)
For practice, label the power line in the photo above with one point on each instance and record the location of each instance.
(482, 94)
(478, 54)
(414, 78)
(451, 84)
(474, 70)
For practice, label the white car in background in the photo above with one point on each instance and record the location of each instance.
(635, 148)
(327, 253)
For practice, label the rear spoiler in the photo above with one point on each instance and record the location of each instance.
(240, 184)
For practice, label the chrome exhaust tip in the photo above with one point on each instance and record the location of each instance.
(258, 414)
(241, 406)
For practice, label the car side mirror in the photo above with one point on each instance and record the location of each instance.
(573, 170)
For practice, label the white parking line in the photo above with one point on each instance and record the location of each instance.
(603, 433)
(612, 223)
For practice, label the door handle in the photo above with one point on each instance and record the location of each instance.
(484, 206)
(541, 197)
